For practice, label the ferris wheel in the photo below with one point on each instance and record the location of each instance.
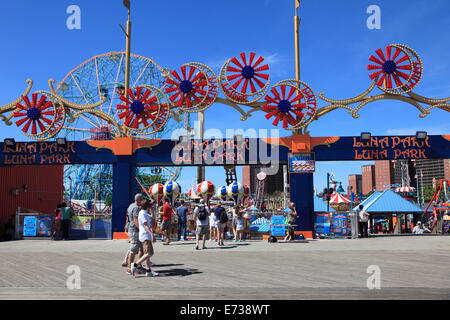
(102, 77)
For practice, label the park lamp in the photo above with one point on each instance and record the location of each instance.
(9, 142)
(421, 135)
(61, 141)
(366, 136)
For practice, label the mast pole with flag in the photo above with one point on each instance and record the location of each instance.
(297, 45)
(127, 4)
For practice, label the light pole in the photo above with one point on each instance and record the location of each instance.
(297, 46)
(127, 32)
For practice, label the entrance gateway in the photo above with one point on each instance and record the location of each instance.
(130, 112)
(125, 154)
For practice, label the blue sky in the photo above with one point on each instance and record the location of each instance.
(335, 46)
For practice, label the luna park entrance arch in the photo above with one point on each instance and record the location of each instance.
(143, 110)
(125, 154)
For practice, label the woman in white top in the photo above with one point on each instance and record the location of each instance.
(212, 226)
(146, 238)
(238, 224)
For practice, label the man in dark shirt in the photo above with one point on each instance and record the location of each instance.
(182, 212)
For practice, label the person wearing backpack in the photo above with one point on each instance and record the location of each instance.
(201, 213)
(221, 220)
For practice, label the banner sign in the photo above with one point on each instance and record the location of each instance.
(277, 228)
(323, 223)
(301, 162)
(29, 226)
(81, 223)
(229, 151)
(340, 224)
(45, 226)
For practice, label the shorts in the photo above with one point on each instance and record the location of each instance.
(147, 247)
(165, 225)
(135, 244)
(201, 230)
(220, 226)
(240, 227)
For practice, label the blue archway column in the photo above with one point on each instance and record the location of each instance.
(124, 173)
(302, 194)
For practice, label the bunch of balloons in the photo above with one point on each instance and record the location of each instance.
(172, 191)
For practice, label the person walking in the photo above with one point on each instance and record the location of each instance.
(182, 212)
(146, 239)
(166, 225)
(235, 212)
(133, 230)
(212, 227)
(420, 229)
(66, 215)
(201, 213)
(292, 221)
(56, 232)
(221, 219)
(239, 226)
(363, 221)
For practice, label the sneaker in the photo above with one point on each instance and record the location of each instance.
(129, 272)
(196, 248)
(151, 274)
(124, 264)
(133, 270)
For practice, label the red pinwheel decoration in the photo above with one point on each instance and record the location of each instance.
(141, 108)
(188, 90)
(289, 104)
(389, 66)
(247, 74)
(37, 114)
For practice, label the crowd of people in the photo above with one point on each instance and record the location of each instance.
(144, 222)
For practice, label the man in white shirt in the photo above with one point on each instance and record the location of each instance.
(363, 222)
(201, 213)
(146, 238)
(420, 229)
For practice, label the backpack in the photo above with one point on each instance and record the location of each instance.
(202, 214)
(223, 217)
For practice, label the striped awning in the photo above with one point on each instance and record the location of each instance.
(338, 198)
(405, 189)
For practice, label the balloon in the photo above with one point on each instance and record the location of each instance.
(157, 192)
(222, 193)
(235, 192)
(246, 191)
(172, 191)
(206, 190)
